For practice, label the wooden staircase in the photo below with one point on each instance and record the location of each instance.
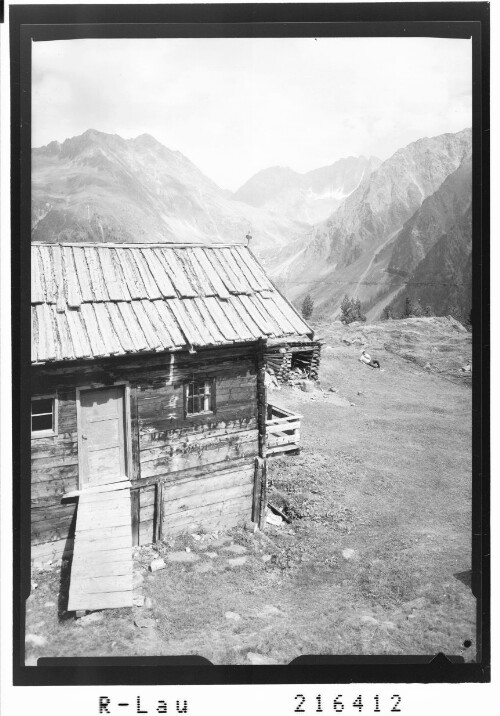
(101, 572)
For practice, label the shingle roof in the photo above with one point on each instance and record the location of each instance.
(97, 300)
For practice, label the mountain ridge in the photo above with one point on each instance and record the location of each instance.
(308, 196)
(351, 250)
(382, 218)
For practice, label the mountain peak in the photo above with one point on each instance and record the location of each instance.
(146, 140)
(311, 196)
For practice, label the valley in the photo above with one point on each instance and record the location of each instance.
(367, 228)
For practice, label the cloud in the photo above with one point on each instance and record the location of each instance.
(235, 106)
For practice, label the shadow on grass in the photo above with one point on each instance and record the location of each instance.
(464, 577)
(65, 575)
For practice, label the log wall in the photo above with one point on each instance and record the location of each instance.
(282, 358)
(189, 472)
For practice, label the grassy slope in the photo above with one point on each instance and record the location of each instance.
(388, 477)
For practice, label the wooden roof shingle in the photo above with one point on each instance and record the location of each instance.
(99, 300)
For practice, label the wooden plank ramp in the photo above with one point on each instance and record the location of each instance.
(101, 572)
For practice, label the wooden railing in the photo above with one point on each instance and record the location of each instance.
(282, 431)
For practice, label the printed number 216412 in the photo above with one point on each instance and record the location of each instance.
(370, 705)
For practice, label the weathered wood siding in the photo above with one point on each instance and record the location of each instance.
(204, 461)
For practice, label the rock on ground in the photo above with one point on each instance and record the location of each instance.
(232, 615)
(157, 564)
(274, 519)
(144, 622)
(348, 553)
(91, 618)
(366, 619)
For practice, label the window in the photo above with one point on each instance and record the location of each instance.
(43, 416)
(199, 397)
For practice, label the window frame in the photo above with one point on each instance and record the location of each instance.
(55, 410)
(198, 381)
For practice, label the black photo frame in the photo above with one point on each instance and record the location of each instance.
(38, 23)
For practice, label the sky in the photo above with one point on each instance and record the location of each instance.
(237, 106)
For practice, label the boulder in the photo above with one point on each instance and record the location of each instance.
(348, 553)
(366, 619)
(274, 519)
(157, 564)
(234, 616)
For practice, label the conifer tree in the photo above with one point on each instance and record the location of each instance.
(408, 309)
(345, 309)
(350, 310)
(307, 307)
(417, 309)
(358, 313)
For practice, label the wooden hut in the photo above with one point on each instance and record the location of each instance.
(148, 399)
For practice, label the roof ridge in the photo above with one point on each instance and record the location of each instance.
(138, 244)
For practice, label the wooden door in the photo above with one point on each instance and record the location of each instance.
(102, 440)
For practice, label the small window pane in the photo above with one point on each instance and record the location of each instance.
(199, 399)
(39, 407)
(41, 422)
